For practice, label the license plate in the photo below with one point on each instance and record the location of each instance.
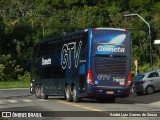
(109, 92)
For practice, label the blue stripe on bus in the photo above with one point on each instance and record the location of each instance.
(89, 46)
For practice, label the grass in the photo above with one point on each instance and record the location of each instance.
(11, 84)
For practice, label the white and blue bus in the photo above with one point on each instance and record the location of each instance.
(93, 63)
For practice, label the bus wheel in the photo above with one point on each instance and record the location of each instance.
(68, 93)
(75, 97)
(38, 92)
(64, 93)
(43, 96)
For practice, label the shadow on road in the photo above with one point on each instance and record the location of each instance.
(132, 99)
(143, 99)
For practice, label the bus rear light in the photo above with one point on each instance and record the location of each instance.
(90, 77)
(129, 78)
(94, 28)
(128, 82)
(126, 30)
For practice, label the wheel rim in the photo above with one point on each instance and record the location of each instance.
(150, 90)
(37, 93)
(67, 92)
(37, 90)
(42, 94)
(74, 94)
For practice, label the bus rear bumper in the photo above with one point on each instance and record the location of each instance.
(95, 92)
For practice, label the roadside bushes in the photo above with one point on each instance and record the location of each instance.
(2, 75)
(25, 77)
(10, 70)
(146, 67)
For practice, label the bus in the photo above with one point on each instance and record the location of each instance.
(91, 63)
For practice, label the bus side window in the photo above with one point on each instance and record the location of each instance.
(42, 50)
(34, 53)
(53, 48)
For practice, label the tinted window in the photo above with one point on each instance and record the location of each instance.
(52, 72)
(52, 49)
(153, 74)
(115, 42)
(35, 51)
(55, 46)
(115, 37)
(42, 50)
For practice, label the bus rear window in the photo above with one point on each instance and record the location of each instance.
(110, 36)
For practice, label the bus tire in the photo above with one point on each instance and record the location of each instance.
(68, 93)
(64, 93)
(75, 97)
(43, 96)
(38, 92)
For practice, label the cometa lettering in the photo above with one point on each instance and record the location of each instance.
(109, 49)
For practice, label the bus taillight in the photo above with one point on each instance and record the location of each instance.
(129, 78)
(94, 28)
(126, 30)
(90, 77)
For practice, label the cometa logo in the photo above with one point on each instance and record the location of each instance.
(110, 49)
(46, 61)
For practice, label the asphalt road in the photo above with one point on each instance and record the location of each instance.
(21, 101)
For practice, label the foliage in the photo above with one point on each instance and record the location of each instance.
(24, 78)
(14, 84)
(2, 75)
(9, 70)
(25, 22)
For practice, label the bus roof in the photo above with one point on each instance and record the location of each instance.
(79, 32)
(63, 36)
(120, 29)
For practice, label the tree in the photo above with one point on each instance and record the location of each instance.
(25, 22)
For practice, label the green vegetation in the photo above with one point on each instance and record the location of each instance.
(25, 22)
(11, 84)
